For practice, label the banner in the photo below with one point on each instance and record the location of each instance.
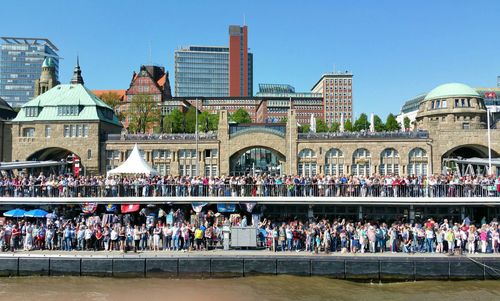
(248, 206)
(226, 208)
(128, 208)
(89, 208)
(197, 206)
(111, 208)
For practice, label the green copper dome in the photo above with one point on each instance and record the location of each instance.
(451, 89)
(48, 62)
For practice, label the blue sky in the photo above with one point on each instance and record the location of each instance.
(396, 49)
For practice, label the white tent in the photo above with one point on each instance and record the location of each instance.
(135, 164)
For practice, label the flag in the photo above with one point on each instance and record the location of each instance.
(226, 207)
(128, 208)
(197, 206)
(110, 208)
(248, 206)
(89, 208)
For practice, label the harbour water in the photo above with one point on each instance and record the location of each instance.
(260, 288)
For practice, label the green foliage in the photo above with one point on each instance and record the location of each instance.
(321, 126)
(240, 116)
(113, 100)
(361, 123)
(178, 122)
(348, 127)
(335, 127)
(305, 128)
(407, 122)
(283, 120)
(391, 124)
(172, 123)
(378, 124)
(144, 112)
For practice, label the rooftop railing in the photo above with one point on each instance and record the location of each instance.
(365, 134)
(154, 137)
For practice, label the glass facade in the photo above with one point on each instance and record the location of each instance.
(20, 65)
(203, 71)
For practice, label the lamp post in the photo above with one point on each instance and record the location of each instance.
(196, 137)
(490, 172)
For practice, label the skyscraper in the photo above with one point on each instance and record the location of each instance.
(21, 65)
(212, 71)
(238, 61)
(337, 95)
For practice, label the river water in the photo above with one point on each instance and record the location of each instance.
(240, 289)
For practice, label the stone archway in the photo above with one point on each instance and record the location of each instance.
(256, 160)
(57, 154)
(469, 151)
(454, 160)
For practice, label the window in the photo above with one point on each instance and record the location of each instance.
(307, 163)
(163, 169)
(85, 130)
(187, 153)
(89, 154)
(389, 162)
(68, 110)
(187, 170)
(466, 126)
(210, 170)
(161, 154)
(48, 131)
(334, 162)
(31, 111)
(29, 132)
(361, 162)
(66, 131)
(418, 162)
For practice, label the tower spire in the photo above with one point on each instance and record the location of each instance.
(77, 73)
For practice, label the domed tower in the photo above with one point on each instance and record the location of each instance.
(451, 106)
(48, 78)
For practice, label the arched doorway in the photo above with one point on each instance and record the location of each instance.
(73, 161)
(467, 160)
(255, 161)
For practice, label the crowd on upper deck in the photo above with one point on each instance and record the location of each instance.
(67, 185)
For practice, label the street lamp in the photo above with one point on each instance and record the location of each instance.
(489, 139)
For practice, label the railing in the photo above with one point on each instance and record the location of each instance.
(253, 190)
(156, 137)
(361, 135)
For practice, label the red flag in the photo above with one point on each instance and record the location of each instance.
(127, 208)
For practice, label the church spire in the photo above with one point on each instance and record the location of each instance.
(77, 73)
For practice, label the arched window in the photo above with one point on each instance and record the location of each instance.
(307, 163)
(418, 162)
(361, 162)
(389, 162)
(334, 162)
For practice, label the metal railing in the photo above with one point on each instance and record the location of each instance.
(252, 190)
(156, 137)
(365, 134)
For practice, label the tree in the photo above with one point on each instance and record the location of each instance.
(407, 123)
(283, 120)
(144, 112)
(335, 127)
(207, 121)
(348, 125)
(391, 124)
(113, 100)
(172, 123)
(378, 124)
(240, 116)
(361, 123)
(305, 128)
(321, 126)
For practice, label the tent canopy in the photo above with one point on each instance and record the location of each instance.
(135, 164)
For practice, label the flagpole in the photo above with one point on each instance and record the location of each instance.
(196, 133)
(489, 140)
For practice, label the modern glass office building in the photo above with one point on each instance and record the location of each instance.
(21, 64)
(212, 71)
(202, 71)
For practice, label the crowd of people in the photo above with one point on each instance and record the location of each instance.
(174, 231)
(51, 185)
